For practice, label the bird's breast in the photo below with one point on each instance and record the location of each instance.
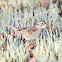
(28, 35)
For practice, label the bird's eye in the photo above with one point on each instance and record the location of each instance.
(45, 22)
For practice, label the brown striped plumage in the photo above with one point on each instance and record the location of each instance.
(30, 32)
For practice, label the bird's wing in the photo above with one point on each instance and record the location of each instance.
(11, 27)
(32, 29)
(28, 29)
(22, 29)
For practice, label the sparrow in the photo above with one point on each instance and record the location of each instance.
(31, 33)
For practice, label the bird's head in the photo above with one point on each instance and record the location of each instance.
(42, 25)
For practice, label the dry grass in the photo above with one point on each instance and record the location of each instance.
(48, 49)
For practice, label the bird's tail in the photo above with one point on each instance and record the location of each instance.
(11, 27)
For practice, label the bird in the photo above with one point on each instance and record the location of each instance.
(30, 33)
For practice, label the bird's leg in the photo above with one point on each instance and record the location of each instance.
(39, 37)
(34, 43)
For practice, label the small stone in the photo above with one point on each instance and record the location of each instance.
(57, 58)
(54, 1)
(60, 13)
(31, 54)
(31, 46)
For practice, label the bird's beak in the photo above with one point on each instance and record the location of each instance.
(47, 27)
